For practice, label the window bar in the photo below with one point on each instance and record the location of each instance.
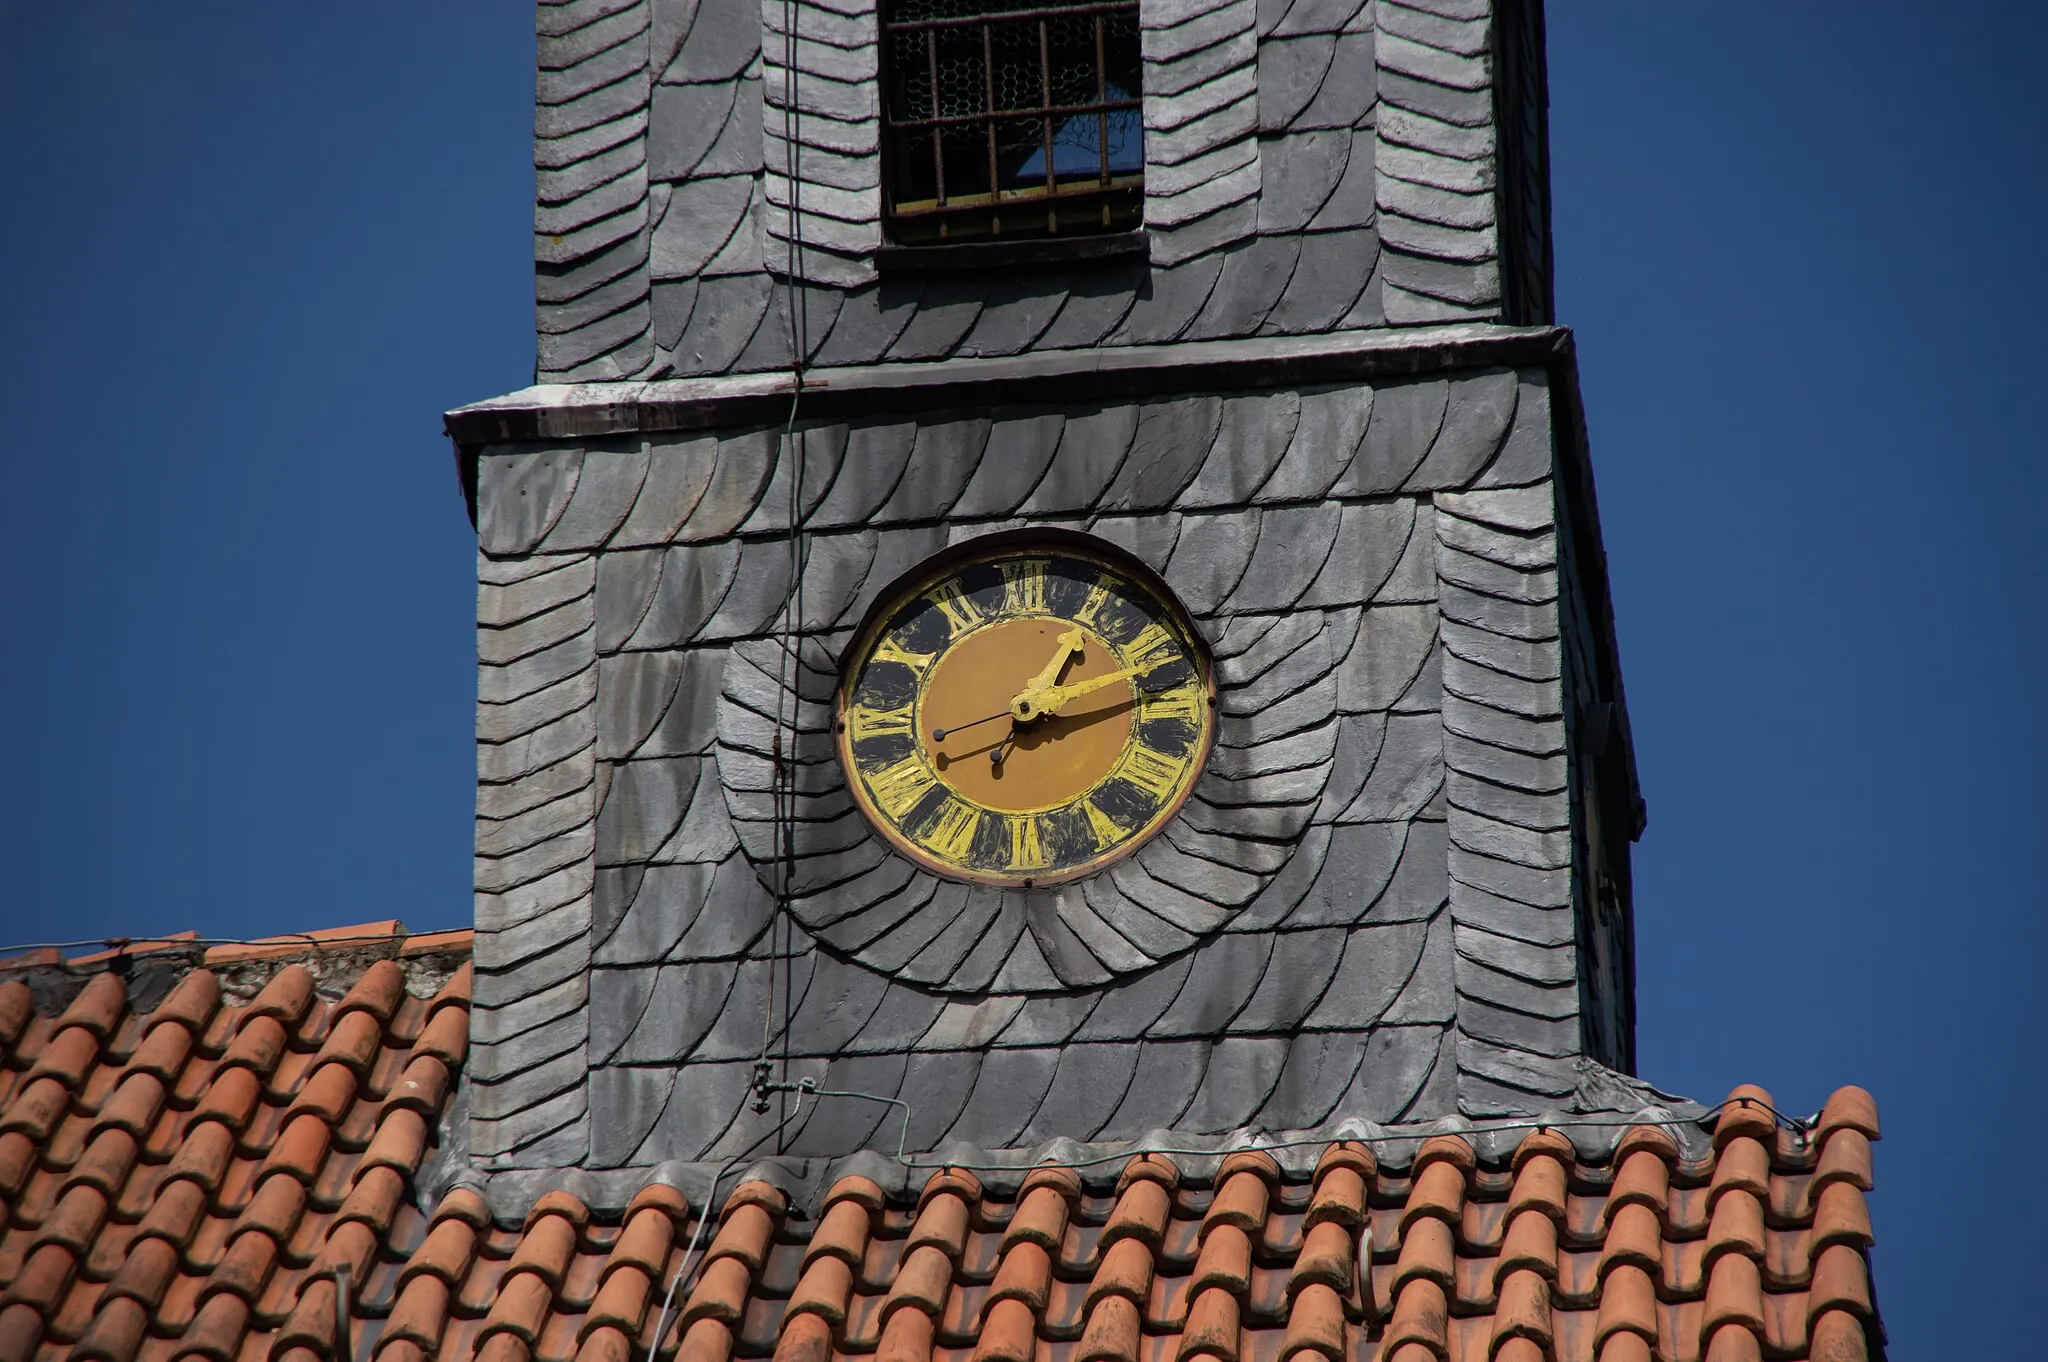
(931, 61)
(1052, 212)
(988, 74)
(1102, 98)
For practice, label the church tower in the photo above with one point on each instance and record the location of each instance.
(1048, 591)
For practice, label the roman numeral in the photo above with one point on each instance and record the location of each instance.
(952, 834)
(1027, 852)
(1024, 586)
(863, 723)
(1156, 775)
(1153, 644)
(1106, 830)
(898, 787)
(1098, 596)
(954, 605)
(887, 649)
(1183, 702)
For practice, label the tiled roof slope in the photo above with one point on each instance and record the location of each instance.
(186, 1183)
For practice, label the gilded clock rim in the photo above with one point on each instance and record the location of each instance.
(997, 547)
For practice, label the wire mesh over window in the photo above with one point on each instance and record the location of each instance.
(1007, 120)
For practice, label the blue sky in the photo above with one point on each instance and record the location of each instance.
(256, 250)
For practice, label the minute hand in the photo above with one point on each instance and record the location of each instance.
(1056, 697)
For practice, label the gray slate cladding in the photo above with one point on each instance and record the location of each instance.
(1366, 910)
(1399, 893)
(1311, 166)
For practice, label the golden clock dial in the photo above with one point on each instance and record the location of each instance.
(1025, 713)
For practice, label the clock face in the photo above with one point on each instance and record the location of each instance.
(1025, 714)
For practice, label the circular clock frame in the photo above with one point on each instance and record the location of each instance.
(1076, 789)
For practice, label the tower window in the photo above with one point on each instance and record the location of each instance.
(1004, 120)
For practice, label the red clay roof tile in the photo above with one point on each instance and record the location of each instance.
(1421, 1315)
(1530, 1243)
(1339, 1197)
(906, 1337)
(1112, 1331)
(67, 1058)
(923, 1281)
(445, 1036)
(622, 1301)
(353, 1040)
(99, 1006)
(1438, 1192)
(1025, 1275)
(258, 1044)
(17, 1007)
(942, 1222)
(163, 1052)
(1539, 1182)
(805, 1338)
(1008, 1333)
(744, 1235)
(1733, 1343)
(107, 1161)
(721, 1291)
(1747, 1112)
(191, 1003)
(1240, 1201)
(301, 1148)
(1142, 1208)
(1524, 1308)
(1225, 1260)
(1149, 1168)
(285, 998)
(1849, 1108)
(841, 1233)
(824, 1289)
(1759, 1249)
(378, 990)
(1838, 1337)
(1315, 1324)
(645, 1241)
(216, 1331)
(1846, 1156)
(1840, 1215)
(1212, 1327)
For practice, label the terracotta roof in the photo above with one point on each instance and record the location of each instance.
(185, 1183)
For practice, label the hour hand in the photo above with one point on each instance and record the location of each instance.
(1028, 704)
(1069, 645)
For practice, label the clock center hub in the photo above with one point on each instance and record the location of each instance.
(1046, 760)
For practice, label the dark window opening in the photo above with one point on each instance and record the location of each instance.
(1005, 121)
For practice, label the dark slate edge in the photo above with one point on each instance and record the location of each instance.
(980, 255)
(581, 411)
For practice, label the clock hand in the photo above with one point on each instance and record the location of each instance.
(1054, 698)
(1024, 705)
(1069, 645)
(939, 734)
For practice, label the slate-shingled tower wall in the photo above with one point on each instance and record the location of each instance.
(1401, 888)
